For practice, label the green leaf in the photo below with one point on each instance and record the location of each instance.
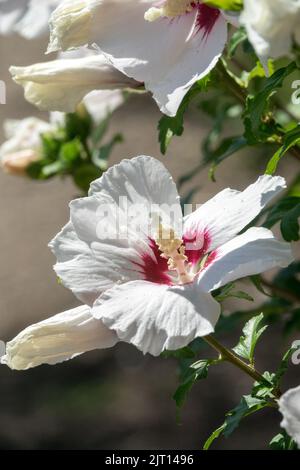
(50, 146)
(257, 72)
(287, 211)
(289, 280)
(282, 442)
(227, 291)
(34, 170)
(293, 322)
(257, 130)
(284, 364)
(84, 174)
(265, 389)
(100, 131)
(52, 169)
(78, 125)
(256, 281)
(227, 147)
(252, 332)
(195, 372)
(239, 36)
(217, 433)
(169, 126)
(70, 152)
(100, 156)
(247, 406)
(290, 224)
(290, 139)
(233, 5)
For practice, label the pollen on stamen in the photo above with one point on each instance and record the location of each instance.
(170, 9)
(172, 249)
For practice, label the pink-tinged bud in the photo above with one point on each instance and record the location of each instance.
(17, 163)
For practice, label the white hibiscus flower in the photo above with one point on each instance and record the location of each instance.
(29, 18)
(272, 25)
(99, 103)
(147, 280)
(289, 406)
(23, 144)
(168, 47)
(60, 85)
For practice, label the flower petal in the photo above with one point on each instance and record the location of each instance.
(141, 187)
(226, 214)
(10, 13)
(88, 269)
(35, 22)
(155, 318)
(87, 273)
(289, 406)
(253, 252)
(57, 339)
(23, 134)
(76, 266)
(271, 25)
(92, 251)
(168, 55)
(60, 85)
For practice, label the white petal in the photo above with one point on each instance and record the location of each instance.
(233, 17)
(88, 272)
(23, 145)
(92, 252)
(35, 22)
(143, 183)
(10, 13)
(76, 266)
(90, 268)
(253, 252)
(71, 24)
(58, 339)
(155, 318)
(23, 135)
(102, 103)
(29, 18)
(270, 25)
(289, 406)
(99, 103)
(60, 85)
(169, 56)
(227, 213)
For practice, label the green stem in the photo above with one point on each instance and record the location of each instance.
(229, 356)
(231, 84)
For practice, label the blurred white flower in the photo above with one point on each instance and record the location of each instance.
(167, 45)
(99, 103)
(150, 289)
(271, 25)
(29, 18)
(60, 85)
(58, 339)
(23, 143)
(289, 406)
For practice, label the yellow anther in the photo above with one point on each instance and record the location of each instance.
(170, 9)
(173, 250)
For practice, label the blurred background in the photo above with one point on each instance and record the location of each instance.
(113, 399)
